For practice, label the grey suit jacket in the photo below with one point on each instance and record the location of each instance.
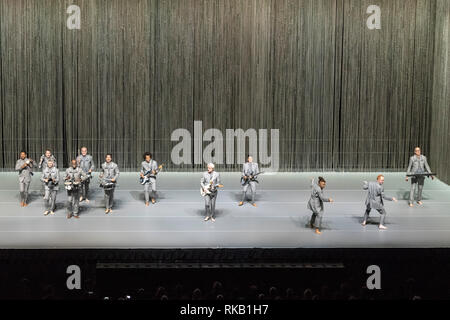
(76, 174)
(86, 163)
(43, 161)
(52, 173)
(207, 178)
(110, 171)
(315, 203)
(376, 195)
(418, 165)
(147, 166)
(24, 173)
(250, 169)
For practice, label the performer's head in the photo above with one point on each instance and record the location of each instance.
(322, 183)
(83, 151)
(417, 151)
(210, 167)
(48, 153)
(50, 163)
(380, 179)
(147, 156)
(74, 163)
(108, 157)
(23, 155)
(250, 159)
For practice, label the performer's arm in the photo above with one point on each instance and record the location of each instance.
(408, 171)
(57, 176)
(116, 173)
(365, 185)
(40, 161)
(18, 166)
(92, 168)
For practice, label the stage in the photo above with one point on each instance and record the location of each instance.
(176, 220)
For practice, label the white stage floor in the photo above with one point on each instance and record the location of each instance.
(176, 220)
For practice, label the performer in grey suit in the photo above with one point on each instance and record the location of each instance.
(109, 175)
(417, 164)
(75, 175)
(45, 158)
(149, 169)
(86, 163)
(210, 181)
(249, 170)
(50, 178)
(25, 168)
(315, 203)
(375, 199)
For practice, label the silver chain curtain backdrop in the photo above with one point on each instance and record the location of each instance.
(344, 97)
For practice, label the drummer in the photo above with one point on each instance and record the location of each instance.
(74, 177)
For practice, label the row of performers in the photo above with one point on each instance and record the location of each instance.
(79, 174)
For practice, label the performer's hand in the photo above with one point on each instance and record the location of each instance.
(394, 199)
(113, 180)
(46, 180)
(153, 171)
(406, 179)
(142, 176)
(331, 200)
(432, 177)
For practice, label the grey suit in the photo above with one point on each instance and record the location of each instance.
(210, 199)
(417, 164)
(51, 189)
(249, 169)
(44, 160)
(109, 171)
(375, 200)
(73, 196)
(315, 204)
(25, 174)
(86, 163)
(145, 167)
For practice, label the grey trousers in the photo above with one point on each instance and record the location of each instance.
(109, 198)
(50, 199)
(316, 219)
(252, 185)
(382, 212)
(85, 188)
(416, 183)
(150, 186)
(73, 200)
(210, 204)
(24, 187)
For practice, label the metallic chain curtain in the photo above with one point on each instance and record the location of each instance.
(440, 133)
(344, 97)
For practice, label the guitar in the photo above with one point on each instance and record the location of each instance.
(246, 181)
(209, 189)
(146, 178)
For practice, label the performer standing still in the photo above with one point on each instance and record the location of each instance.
(50, 178)
(375, 199)
(315, 203)
(76, 176)
(149, 170)
(86, 163)
(25, 167)
(249, 172)
(109, 175)
(417, 164)
(209, 182)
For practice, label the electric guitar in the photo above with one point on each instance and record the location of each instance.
(246, 181)
(209, 189)
(146, 178)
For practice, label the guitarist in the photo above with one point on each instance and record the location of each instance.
(210, 181)
(86, 163)
(149, 169)
(249, 170)
(110, 173)
(417, 164)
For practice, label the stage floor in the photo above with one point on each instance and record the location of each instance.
(176, 220)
